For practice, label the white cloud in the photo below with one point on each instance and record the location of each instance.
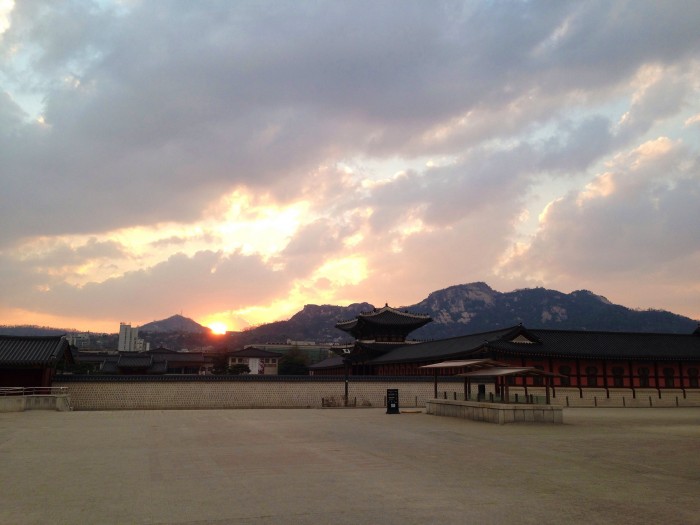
(628, 226)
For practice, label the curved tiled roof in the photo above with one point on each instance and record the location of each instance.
(134, 361)
(387, 316)
(20, 351)
(611, 345)
(441, 349)
(331, 362)
(382, 319)
(554, 343)
(254, 352)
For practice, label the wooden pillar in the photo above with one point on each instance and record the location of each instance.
(546, 389)
(466, 381)
(605, 378)
(347, 374)
(634, 392)
(435, 381)
(551, 371)
(578, 377)
(656, 378)
(46, 376)
(578, 372)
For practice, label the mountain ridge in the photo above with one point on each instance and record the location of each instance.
(174, 323)
(456, 310)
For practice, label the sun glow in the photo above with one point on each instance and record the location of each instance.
(218, 328)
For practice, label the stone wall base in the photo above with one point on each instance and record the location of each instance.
(60, 403)
(499, 413)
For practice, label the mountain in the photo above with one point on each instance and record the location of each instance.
(31, 330)
(313, 323)
(457, 310)
(476, 307)
(175, 323)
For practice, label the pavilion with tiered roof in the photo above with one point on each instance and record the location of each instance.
(377, 332)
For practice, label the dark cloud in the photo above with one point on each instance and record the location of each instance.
(152, 111)
(156, 109)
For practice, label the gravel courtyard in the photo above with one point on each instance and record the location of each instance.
(348, 466)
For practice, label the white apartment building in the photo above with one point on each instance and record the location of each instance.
(79, 340)
(129, 339)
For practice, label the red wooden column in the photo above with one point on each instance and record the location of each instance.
(551, 371)
(680, 376)
(634, 392)
(578, 378)
(527, 398)
(605, 378)
(656, 378)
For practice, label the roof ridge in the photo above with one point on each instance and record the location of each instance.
(609, 332)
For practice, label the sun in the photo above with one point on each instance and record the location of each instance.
(218, 328)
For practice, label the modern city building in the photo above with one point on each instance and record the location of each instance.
(129, 339)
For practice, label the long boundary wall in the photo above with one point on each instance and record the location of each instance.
(203, 392)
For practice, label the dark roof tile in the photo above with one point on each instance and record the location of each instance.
(331, 362)
(19, 351)
(554, 343)
(442, 349)
(254, 352)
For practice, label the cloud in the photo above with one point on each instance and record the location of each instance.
(182, 103)
(629, 224)
(386, 128)
(207, 281)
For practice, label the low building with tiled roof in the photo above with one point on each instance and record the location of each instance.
(157, 361)
(32, 361)
(259, 361)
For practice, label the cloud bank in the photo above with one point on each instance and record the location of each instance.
(239, 160)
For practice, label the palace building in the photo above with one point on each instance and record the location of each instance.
(377, 333)
(31, 361)
(576, 358)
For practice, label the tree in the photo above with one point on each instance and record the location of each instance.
(238, 369)
(220, 364)
(293, 363)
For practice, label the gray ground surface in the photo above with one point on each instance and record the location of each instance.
(348, 467)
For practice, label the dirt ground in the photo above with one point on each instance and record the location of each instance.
(348, 466)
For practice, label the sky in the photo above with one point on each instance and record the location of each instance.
(234, 161)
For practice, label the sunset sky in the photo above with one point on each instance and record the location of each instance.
(233, 161)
